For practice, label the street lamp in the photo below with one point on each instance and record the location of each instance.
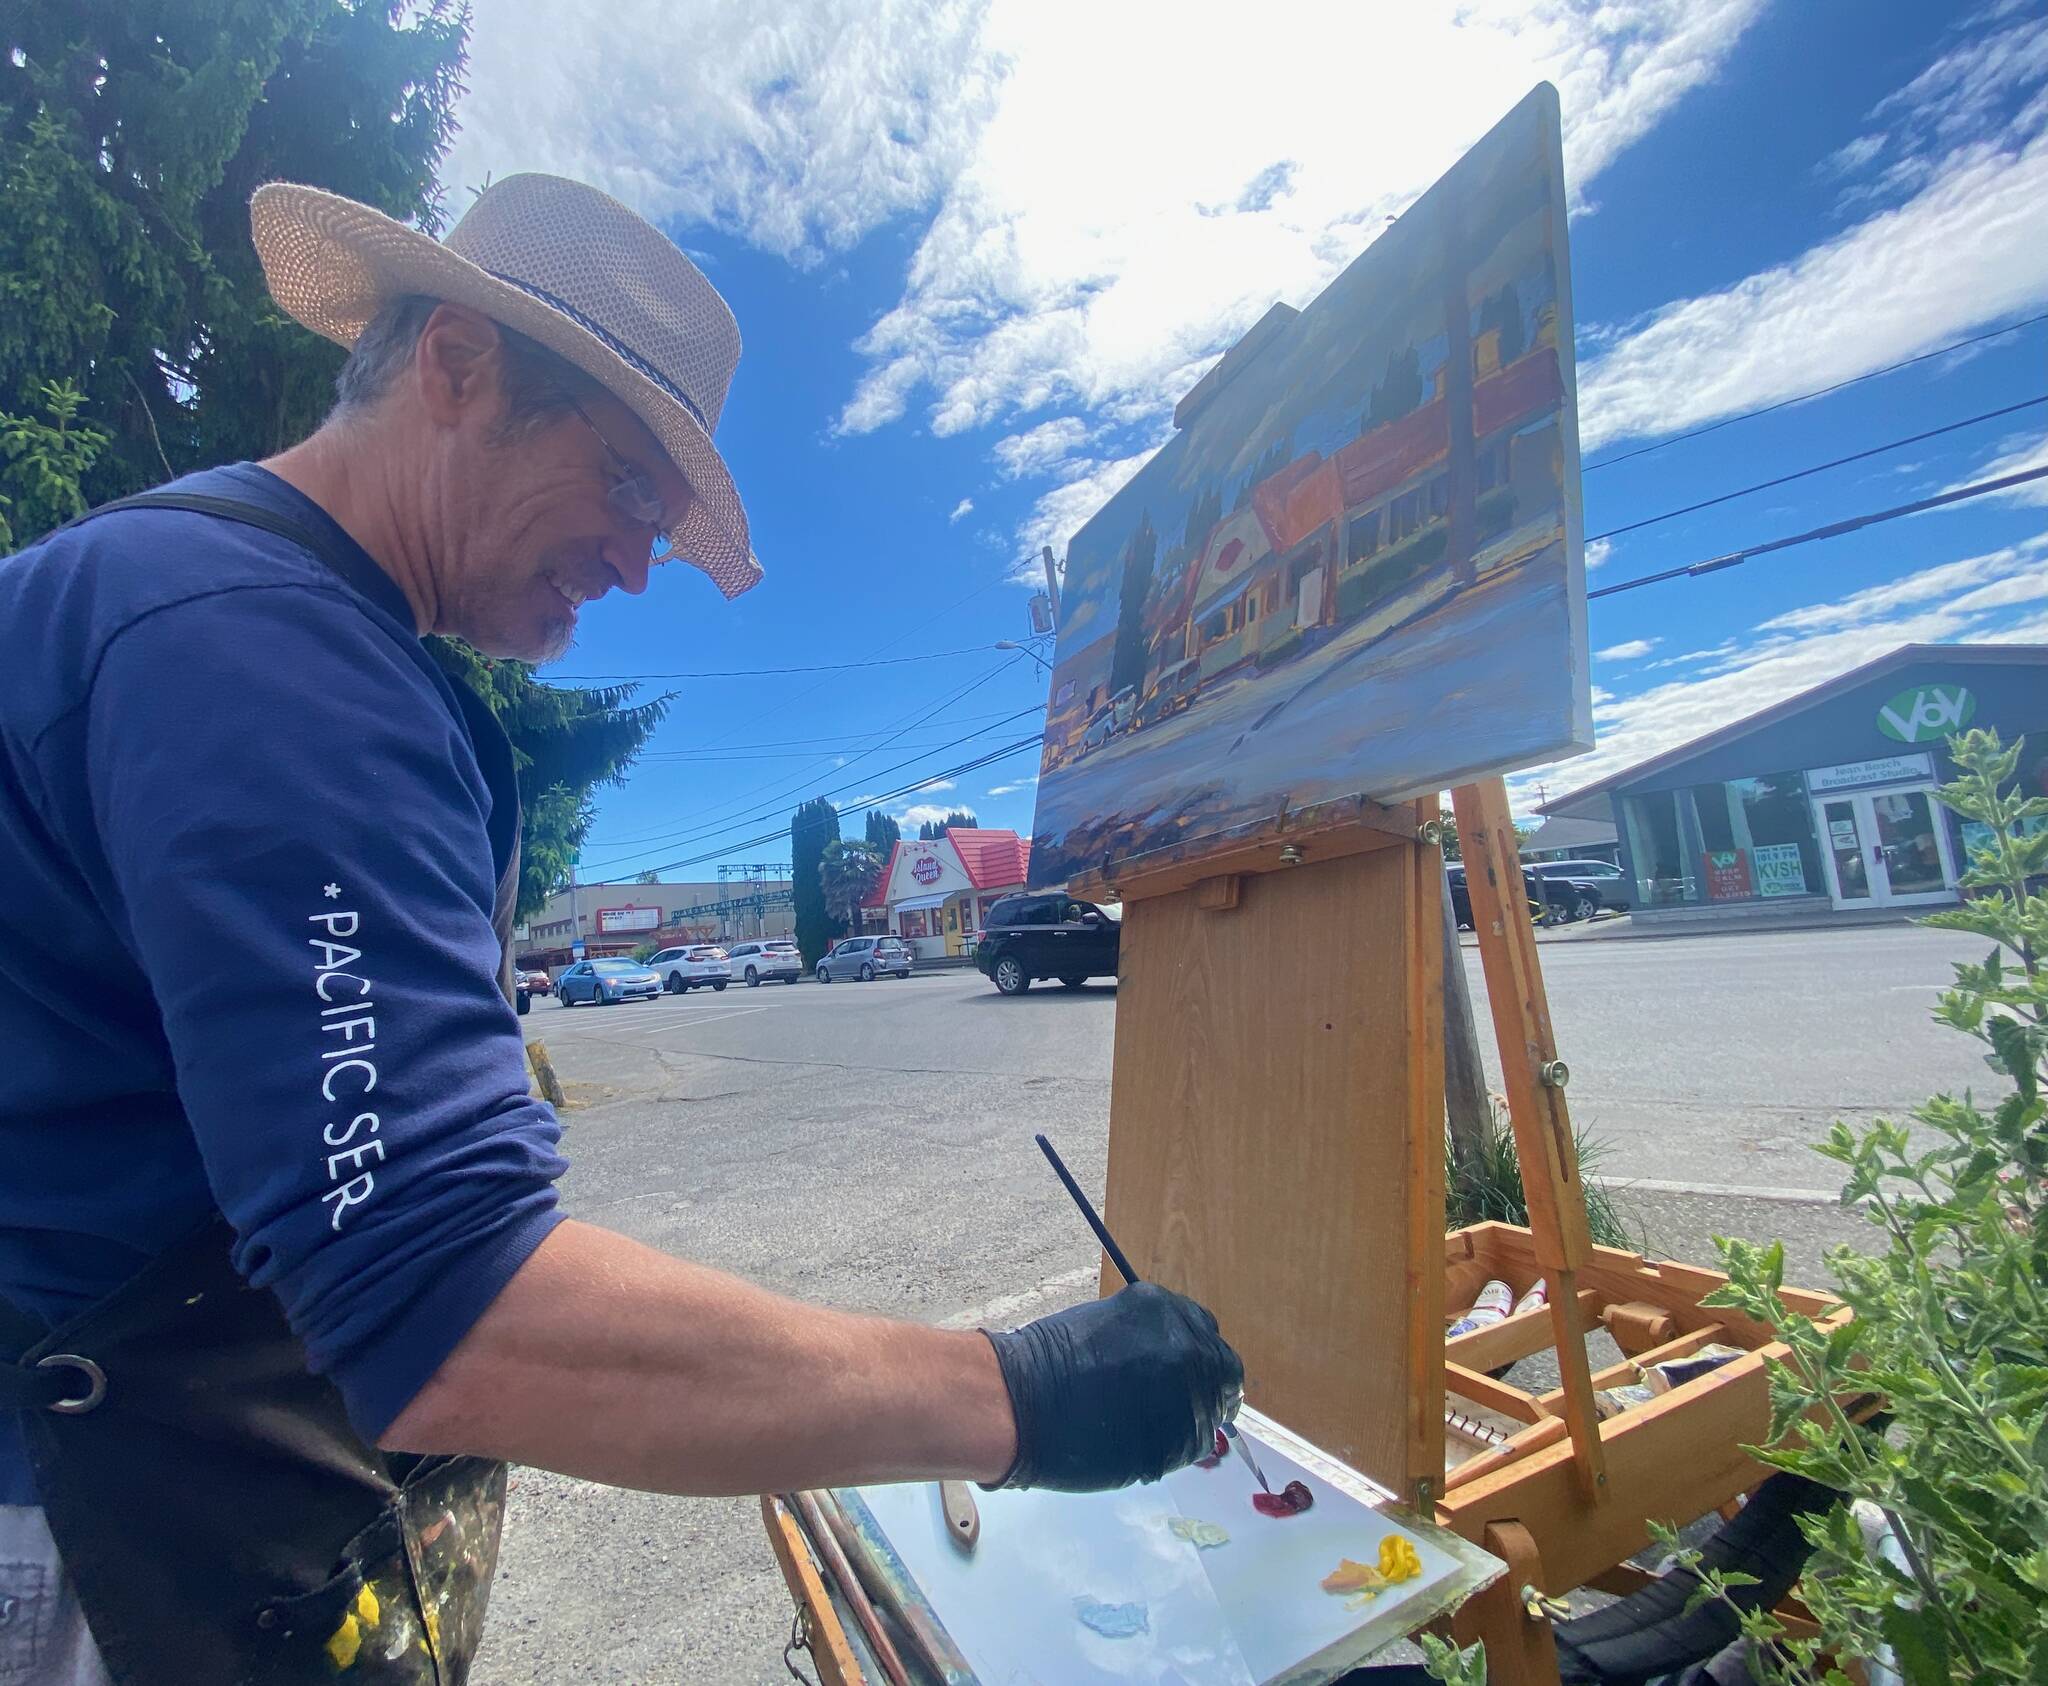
(1012, 644)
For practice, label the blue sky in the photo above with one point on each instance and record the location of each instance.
(978, 251)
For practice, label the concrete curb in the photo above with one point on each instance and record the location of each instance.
(1717, 1191)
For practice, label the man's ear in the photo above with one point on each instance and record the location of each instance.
(459, 363)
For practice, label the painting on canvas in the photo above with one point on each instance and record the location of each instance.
(1355, 569)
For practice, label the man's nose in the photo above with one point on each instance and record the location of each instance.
(631, 560)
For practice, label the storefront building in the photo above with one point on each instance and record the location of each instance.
(1823, 803)
(936, 893)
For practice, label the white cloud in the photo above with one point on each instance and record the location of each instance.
(2000, 596)
(798, 124)
(1101, 263)
(1012, 789)
(961, 510)
(1960, 249)
(1045, 446)
(932, 784)
(1627, 652)
(921, 813)
(2015, 454)
(1597, 552)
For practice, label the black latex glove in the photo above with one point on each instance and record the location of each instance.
(1118, 1390)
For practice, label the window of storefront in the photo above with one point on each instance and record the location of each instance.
(1732, 840)
(913, 922)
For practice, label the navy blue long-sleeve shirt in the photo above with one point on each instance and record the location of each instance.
(246, 956)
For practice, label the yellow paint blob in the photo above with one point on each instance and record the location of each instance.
(345, 1641)
(1398, 1560)
(368, 1608)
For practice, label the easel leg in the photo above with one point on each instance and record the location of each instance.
(1519, 1649)
(1529, 1067)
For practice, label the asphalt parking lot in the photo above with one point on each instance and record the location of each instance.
(869, 1145)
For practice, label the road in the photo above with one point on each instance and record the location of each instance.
(870, 1146)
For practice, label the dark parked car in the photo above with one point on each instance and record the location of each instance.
(603, 981)
(1551, 902)
(1599, 883)
(1052, 935)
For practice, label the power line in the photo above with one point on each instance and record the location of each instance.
(1818, 468)
(728, 813)
(1031, 742)
(1822, 392)
(1833, 530)
(835, 741)
(773, 672)
(922, 782)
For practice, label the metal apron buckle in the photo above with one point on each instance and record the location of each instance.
(95, 1383)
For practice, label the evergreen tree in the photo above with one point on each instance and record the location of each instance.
(883, 832)
(1127, 661)
(813, 828)
(132, 133)
(932, 830)
(565, 743)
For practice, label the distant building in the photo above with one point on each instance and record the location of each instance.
(936, 894)
(1824, 802)
(618, 918)
(1561, 839)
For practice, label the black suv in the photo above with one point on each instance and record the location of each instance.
(1551, 901)
(1047, 936)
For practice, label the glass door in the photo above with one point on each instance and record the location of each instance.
(1841, 839)
(1912, 844)
(1885, 848)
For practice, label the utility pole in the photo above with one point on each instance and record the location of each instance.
(1052, 585)
(575, 918)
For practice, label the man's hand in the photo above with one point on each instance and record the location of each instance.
(1118, 1390)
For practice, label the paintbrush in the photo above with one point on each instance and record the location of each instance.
(1118, 1257)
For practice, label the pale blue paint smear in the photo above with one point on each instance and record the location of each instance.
(1112, 1621)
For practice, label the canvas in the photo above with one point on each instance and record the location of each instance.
(1097, 1589)
(1355, 569)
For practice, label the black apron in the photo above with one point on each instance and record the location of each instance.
(222, 1522)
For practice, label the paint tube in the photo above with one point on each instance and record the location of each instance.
(1675, 1372)
(1537, 1296)
(1495, 1301)
(1612, 1401)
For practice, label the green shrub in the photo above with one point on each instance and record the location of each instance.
(1391, 569)
(1489, 1190)
(1951, 1322)
(1280, 649)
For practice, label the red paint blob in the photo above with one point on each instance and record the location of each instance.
(1291, 1500)
(1221, 1452)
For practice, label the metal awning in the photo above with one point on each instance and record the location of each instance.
(915, 904)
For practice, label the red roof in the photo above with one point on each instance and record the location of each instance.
(993, 859)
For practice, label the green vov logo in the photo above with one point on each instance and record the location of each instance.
(1927, 712)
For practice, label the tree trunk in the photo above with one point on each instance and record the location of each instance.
(1466, 1109)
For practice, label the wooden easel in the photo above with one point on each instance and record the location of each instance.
(1276, 1150)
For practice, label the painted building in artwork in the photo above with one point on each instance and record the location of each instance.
(1822, 804)
(935, 893)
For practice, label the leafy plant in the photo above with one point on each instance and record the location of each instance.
(1487, 1188)
(45, 463)
(1950, 1325)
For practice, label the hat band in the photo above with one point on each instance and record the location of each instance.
(612, 343)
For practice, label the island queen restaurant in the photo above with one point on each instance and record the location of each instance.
(1822, 805)
(935, 893)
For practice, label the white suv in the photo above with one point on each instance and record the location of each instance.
(683, 969)
(763, 962)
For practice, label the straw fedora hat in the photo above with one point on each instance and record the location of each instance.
(570, 268)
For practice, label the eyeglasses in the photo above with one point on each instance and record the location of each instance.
(632, 495)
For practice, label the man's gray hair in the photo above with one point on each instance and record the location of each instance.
(539, 385)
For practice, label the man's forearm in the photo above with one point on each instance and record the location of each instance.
(606, 1359)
